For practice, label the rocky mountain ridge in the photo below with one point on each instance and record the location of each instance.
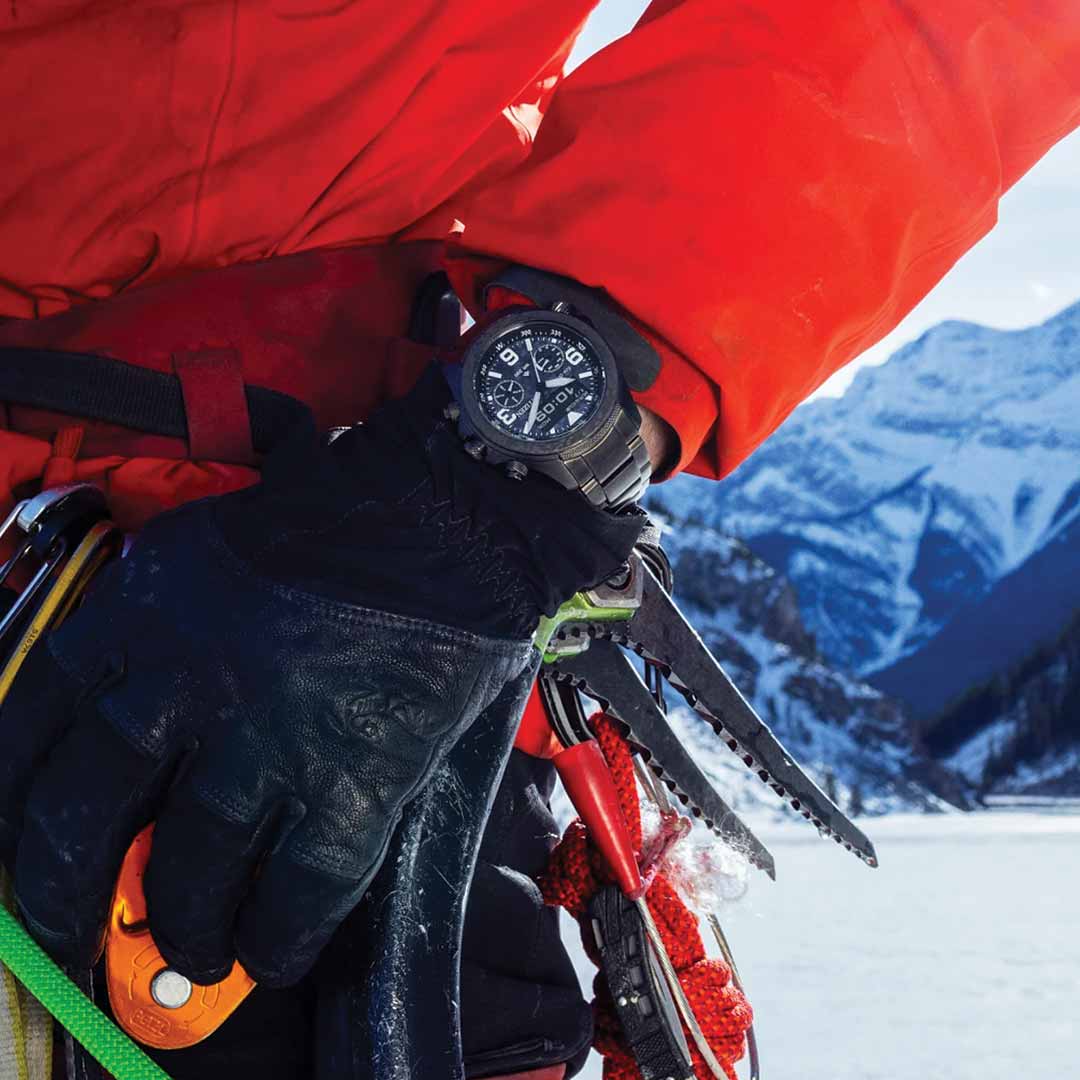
(855, 742)
(1019, 734)
(929, 520)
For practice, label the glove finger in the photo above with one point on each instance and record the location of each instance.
(291, 914)
(36, 712)
(202, 866)
(86, 805)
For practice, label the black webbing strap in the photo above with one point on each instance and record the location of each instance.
(100, 388)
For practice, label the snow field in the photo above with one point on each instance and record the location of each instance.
(959, 958)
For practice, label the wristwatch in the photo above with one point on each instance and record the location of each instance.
(546, 389)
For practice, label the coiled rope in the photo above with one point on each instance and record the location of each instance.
(576, 872)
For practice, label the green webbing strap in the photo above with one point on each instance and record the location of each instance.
(100, 1037)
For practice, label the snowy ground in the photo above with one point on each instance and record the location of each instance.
(958, 958)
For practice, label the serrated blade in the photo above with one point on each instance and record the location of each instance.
(604, 672)
(659, 632)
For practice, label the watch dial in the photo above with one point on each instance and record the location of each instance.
(538, 382)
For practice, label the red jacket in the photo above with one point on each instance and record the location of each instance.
(768, 186)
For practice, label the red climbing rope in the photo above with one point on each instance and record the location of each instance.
(575, 874)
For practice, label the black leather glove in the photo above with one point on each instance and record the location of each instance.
(272, 676)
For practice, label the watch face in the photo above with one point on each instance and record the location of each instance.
(540, 381)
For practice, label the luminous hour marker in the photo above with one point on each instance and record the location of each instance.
(573, 418)
(586, 375)
(494, 374)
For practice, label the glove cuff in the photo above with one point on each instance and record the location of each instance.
(397, 513)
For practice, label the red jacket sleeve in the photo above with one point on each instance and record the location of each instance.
(771, 186)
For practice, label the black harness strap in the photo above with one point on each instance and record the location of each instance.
(100, 388)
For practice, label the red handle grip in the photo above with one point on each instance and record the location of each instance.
(588, 782)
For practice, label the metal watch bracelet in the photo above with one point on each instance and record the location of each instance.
(617, 470)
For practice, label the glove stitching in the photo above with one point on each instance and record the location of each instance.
(354, 613)
(216, 800)
(314, 532)
(477, 552)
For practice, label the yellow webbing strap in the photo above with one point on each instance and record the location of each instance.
(26, 1035)
(26, 972)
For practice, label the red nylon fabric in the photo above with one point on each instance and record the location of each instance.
(576, 872)
(327, 327)
(767, 186)
(771, 186)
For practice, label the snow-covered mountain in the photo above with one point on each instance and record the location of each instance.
(849, 736)
(929, 520)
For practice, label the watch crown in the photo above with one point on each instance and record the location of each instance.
(475, 448)
(452, 411)
(516, 471)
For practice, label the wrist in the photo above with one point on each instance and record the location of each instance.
(661, 442)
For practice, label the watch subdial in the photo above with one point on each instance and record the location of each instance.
(509, 394)
(548, 359)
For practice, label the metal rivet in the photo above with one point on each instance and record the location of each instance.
(170, 989)
(622, 1003)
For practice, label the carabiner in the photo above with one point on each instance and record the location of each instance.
(52, 523)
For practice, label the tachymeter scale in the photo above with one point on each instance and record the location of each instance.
(539, 382)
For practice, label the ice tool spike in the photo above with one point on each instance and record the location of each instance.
(605, 673)
(657, 631)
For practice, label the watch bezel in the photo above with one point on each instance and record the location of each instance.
(528, 449)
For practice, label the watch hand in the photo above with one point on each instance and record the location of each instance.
(532, 413)
(532, 357)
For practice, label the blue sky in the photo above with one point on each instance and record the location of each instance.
(1027, 269)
